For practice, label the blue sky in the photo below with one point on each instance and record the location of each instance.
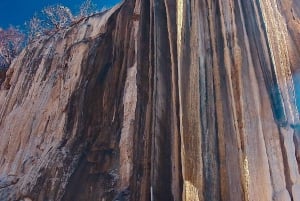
(16, 12)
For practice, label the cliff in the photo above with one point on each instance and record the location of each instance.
(157, 100)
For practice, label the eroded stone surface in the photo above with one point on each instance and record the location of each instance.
(157, 100)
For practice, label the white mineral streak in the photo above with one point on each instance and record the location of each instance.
(130, 101)
(188, 191)
(126, 141)
(179, 14)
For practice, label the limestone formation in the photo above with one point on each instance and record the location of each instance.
(157, 100)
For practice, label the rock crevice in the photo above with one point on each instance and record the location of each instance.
(157, 100)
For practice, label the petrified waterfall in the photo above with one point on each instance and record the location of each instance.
(157, 100)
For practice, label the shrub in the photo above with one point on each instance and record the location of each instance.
(49, 20)
(87, 8)
(11, 43)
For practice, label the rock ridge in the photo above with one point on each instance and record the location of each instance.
(157, 100)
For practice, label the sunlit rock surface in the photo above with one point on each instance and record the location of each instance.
(157, 100)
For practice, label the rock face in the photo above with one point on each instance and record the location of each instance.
(158, 100)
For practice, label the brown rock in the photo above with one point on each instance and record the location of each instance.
(157, 101)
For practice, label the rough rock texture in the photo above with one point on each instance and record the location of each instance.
(158, 100)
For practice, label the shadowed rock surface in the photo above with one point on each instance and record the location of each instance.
(157, 100)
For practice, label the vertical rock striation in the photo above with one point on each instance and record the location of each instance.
(157, 100)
